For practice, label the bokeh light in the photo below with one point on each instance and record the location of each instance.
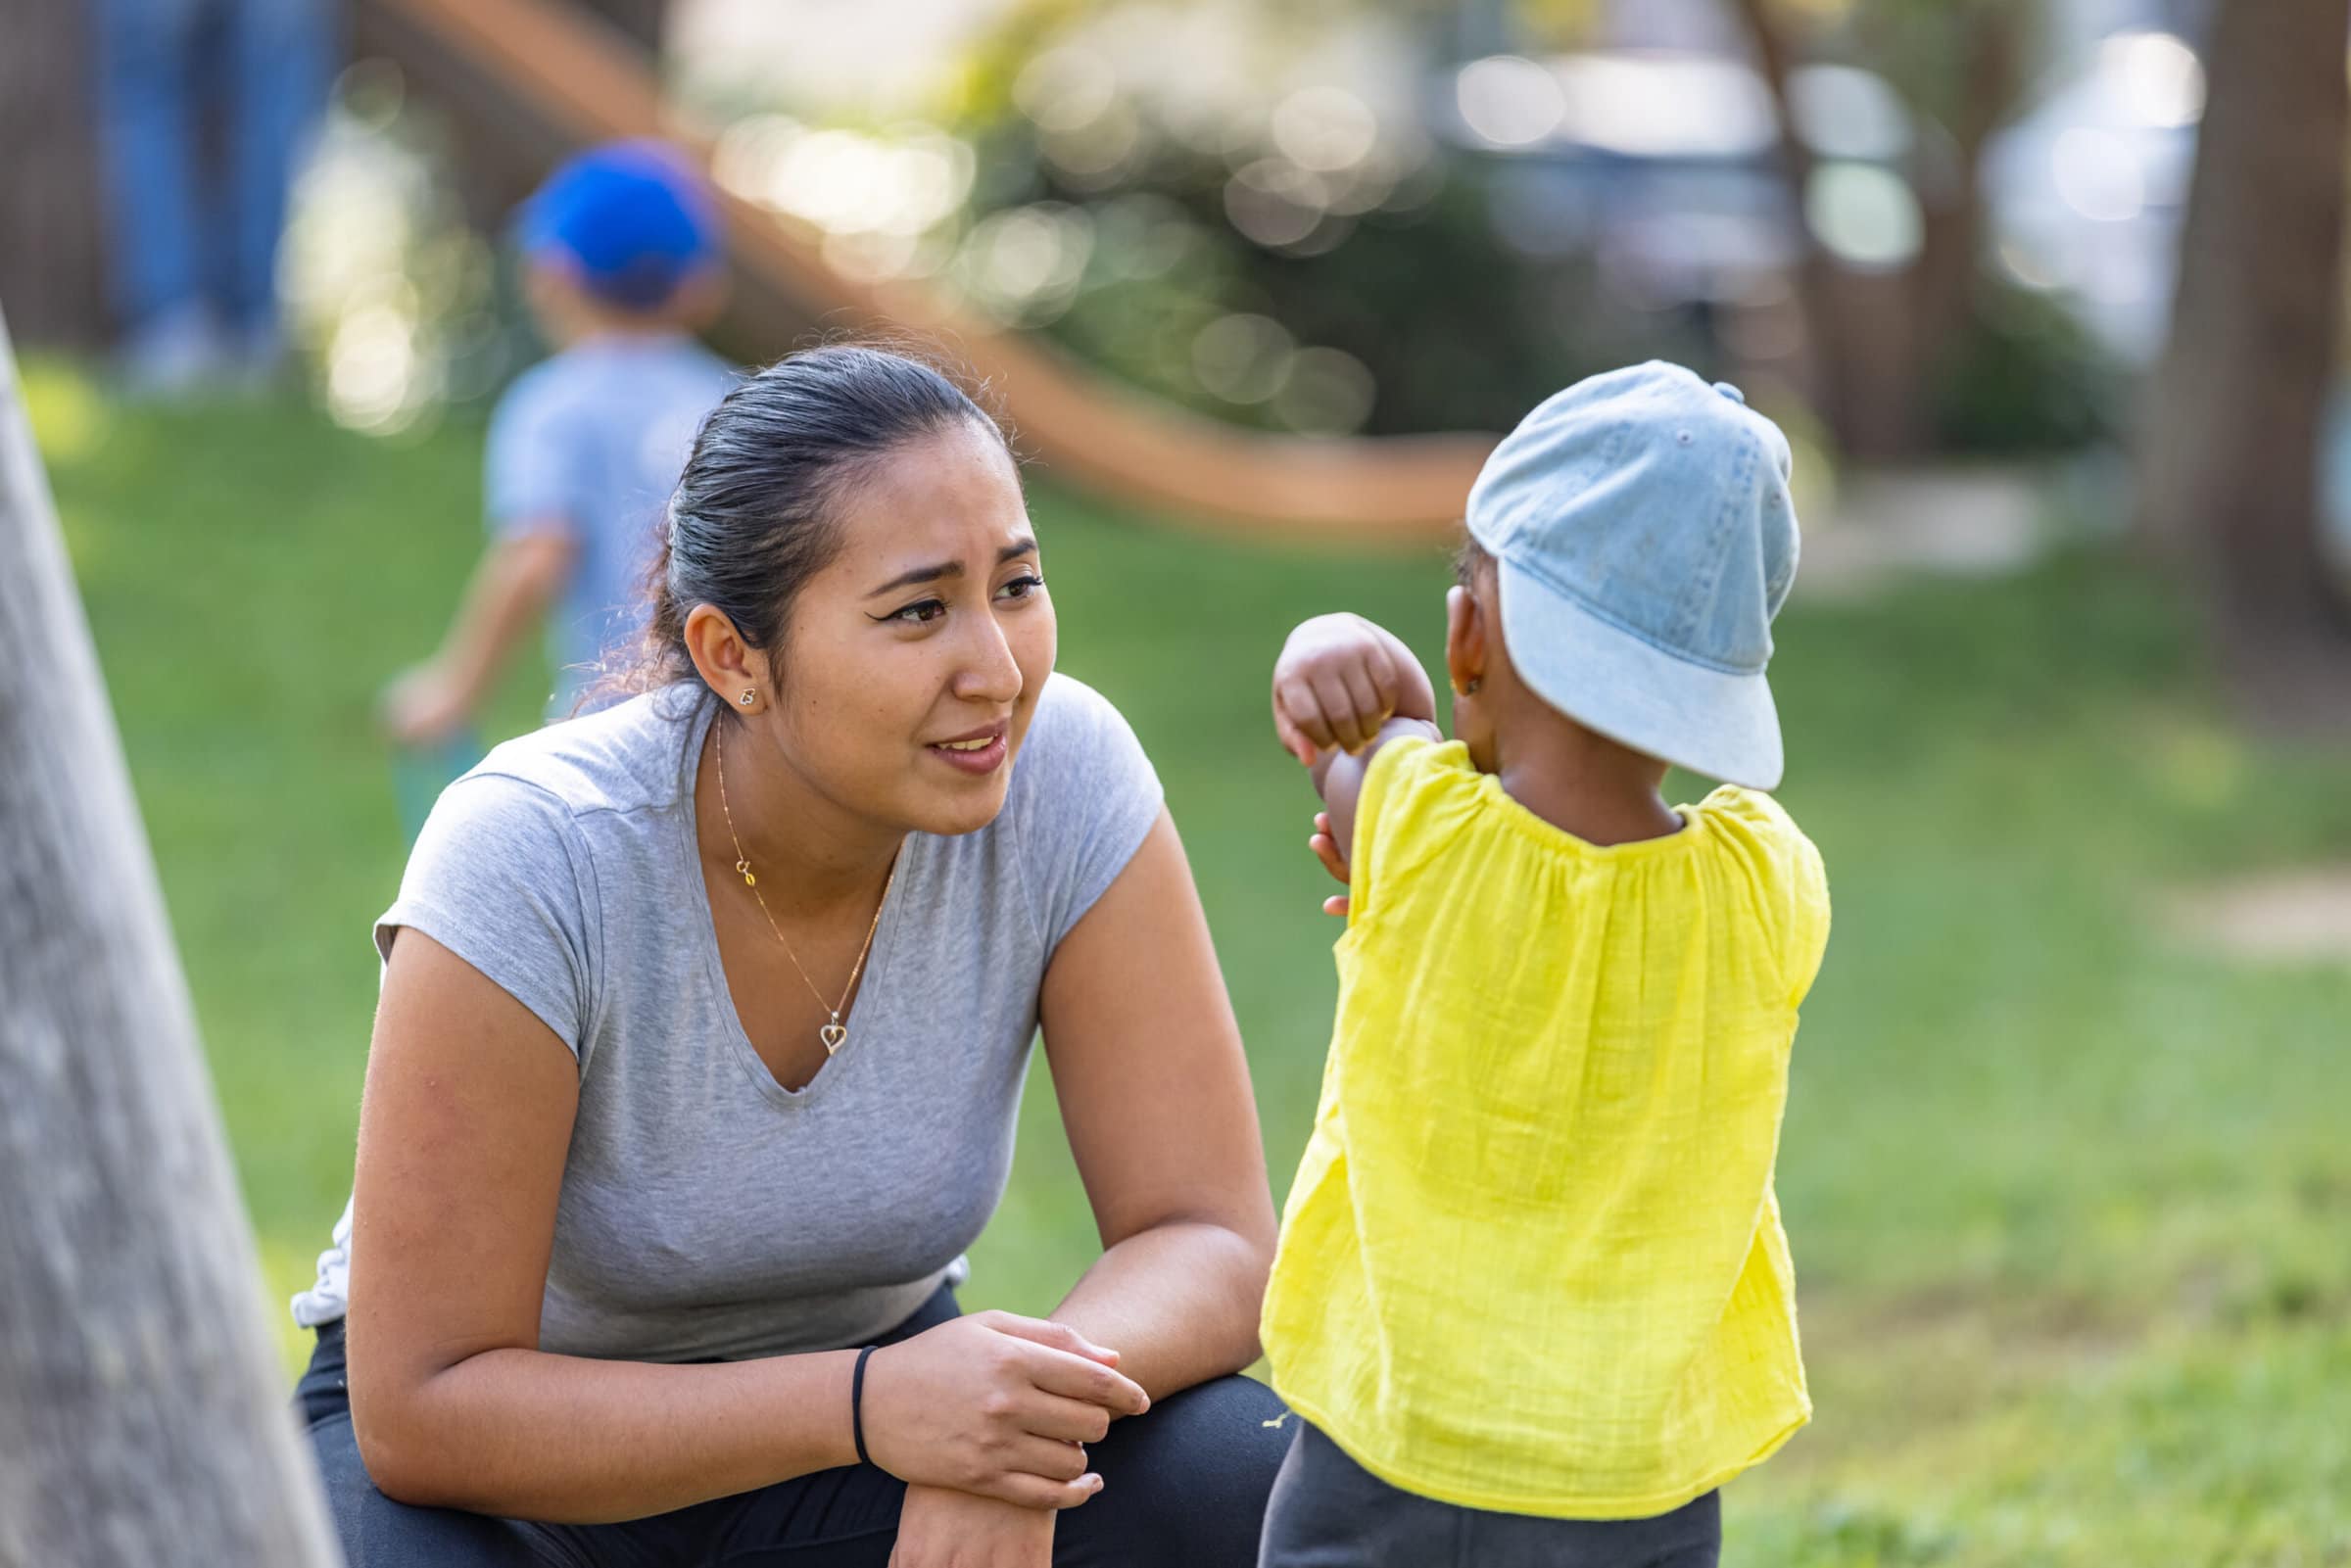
(1508, 100)
(2097, 174)
(2160, 77)
(1865, 215)
(1244, 358)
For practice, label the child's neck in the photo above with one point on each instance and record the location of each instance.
(1586, 785)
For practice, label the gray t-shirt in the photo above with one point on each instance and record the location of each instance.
(706, 1210)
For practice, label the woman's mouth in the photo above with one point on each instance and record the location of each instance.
(973, 754)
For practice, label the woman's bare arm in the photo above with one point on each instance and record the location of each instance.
(463, 1139)
(1154, 1092)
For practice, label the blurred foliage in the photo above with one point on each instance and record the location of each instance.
(1411, 311)
(1933, 51)
(1419, 300)
(1455, 330)
(2025, 376)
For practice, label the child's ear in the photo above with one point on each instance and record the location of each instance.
(1465, 640)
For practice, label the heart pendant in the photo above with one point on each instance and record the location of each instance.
(834, 1035)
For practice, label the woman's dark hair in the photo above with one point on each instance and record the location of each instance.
(753, 516)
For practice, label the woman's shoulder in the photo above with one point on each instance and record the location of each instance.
(1082, 797)
(1075, 732)
(624, 758)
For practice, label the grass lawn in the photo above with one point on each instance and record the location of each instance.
(2069, 1199)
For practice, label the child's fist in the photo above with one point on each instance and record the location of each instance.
(1337, 680)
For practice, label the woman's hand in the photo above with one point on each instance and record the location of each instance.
(1340, 678)
(995, 1405)
(945, 1529)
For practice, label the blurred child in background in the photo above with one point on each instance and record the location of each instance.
(1533, 1300)
(622, 258)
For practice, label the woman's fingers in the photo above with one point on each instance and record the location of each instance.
(1042, 1456)
(1055, 1336)
(1035, 1491)
(1076, 1378)
(1065, 1421)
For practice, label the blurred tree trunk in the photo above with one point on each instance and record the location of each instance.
(143, 1418)
(643, 22)
(1874, 339)
(500, 167)
(51, 277)
(2228, 456)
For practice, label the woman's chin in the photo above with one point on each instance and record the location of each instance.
(962, 808)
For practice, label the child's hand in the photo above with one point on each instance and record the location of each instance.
(1340, 678)
(1327, 850)
(423, 706)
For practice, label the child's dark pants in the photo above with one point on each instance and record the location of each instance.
(1330, 1512)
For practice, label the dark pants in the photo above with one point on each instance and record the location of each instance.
(1330, 1512)
(1182, 1486)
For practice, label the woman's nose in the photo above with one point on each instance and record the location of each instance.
(989, 672)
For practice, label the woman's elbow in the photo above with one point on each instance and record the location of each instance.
(1251, 1268)
(406, 1464)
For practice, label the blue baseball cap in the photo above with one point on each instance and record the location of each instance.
(1644, 539)
(631, 216)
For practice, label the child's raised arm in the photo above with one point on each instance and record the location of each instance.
(1343, 688)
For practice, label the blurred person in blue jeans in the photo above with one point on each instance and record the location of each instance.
(194, 261)
(622, 253)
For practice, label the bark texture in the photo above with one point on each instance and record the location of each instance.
(50, 273)
(2229, 458)
(143, 1417)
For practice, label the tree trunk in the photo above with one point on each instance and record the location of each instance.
(1992, 72)
(50, 272)
(143, 1418)
(641, 22)
(1873, 339)
(499, 167)
(2228, 455)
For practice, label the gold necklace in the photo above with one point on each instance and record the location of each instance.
(835, 1034)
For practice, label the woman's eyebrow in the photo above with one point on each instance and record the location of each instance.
(930, 574)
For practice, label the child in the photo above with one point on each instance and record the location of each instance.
(621, 253)
(1533, 1300)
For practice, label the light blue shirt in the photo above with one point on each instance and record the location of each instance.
(588, 443)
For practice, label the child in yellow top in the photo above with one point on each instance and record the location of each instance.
(1533, 1299)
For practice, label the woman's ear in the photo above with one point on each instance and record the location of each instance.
(1465, 640)
(729, 666)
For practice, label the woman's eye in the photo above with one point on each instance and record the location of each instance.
(928, 610)
(1022, 587)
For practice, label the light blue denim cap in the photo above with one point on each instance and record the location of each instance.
(1645, 539)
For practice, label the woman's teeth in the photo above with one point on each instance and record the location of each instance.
(967, 745)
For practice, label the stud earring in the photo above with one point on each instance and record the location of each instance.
(1470, 689)
(749, 698)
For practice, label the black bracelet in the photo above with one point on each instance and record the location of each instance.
(857, 1406)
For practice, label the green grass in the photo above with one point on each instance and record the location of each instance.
(2068, 1196)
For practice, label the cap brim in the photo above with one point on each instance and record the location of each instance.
(1715, 722)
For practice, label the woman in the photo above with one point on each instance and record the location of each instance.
(704, 1027)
